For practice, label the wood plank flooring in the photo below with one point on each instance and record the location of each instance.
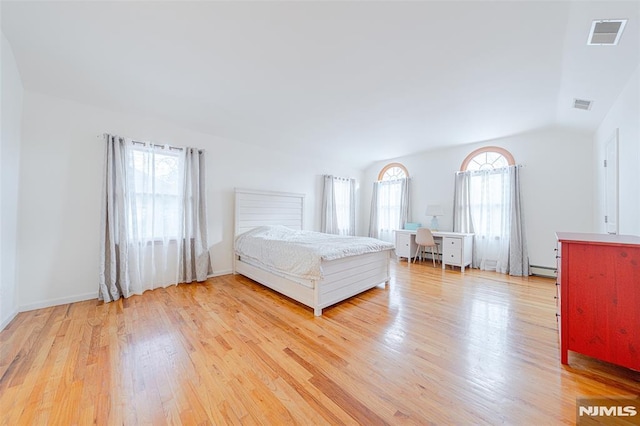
(433, 347)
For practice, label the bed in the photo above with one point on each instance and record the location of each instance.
(340, 278)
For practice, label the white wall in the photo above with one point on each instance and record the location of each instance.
(61, 178)
(12, 94)
(60, 169)
(624, 116)
(556, 183)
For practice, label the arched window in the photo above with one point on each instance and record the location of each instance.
(486, 193)
(393, 171)
(488, 158)
(390, 201)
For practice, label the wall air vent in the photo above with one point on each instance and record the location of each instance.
(606, 32)
(582, 104)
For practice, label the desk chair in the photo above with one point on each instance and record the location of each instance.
(424, 238)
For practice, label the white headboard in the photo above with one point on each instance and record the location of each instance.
(258, 208)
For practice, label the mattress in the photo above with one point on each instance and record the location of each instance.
(301, 253)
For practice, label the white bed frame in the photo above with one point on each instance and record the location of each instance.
(342, 278)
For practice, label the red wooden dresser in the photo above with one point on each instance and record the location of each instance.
(599, 297)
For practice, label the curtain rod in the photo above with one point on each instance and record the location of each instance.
(177, 148)
(496, 170)
(340, 178)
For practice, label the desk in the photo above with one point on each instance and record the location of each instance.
(457, 247)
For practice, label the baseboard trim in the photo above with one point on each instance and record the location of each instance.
(82, 297)
(220, 273)
(60, 301)
(543, 271)
(5, 322)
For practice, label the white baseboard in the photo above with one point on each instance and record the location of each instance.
(5, 322)
(60, 301)
(543, 271)
(77, 298)
(220, 273)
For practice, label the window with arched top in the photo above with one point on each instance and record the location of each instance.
(393, 171)
(487, 203)
(487, 158)
(389, 206)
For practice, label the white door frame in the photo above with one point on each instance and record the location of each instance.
(611, 184)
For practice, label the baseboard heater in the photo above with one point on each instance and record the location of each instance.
(543, 271)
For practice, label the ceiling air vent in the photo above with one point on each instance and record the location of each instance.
(582, 104)
(606, 32)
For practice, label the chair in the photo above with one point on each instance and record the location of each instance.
(424, 238)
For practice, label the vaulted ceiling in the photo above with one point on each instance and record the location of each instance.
(370, 80)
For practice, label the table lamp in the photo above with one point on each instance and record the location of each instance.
(434, 210)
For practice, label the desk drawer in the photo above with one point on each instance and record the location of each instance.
(405, 245)
(450, 245)
(452, 250)
(452, 258)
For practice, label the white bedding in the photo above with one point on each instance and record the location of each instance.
(300, 253)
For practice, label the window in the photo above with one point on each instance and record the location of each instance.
(488, 158)
(345, 205)
(393, 171)
(339, 206)
(390, 202)
(153, 226)
(486, 171)
(488, 189)
(156, 193)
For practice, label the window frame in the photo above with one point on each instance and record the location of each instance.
(390, 166)
(506, 154)
(146, 149)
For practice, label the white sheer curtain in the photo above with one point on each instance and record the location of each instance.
(488, 203)
(153, 231)
(338, 205)
(389, 208)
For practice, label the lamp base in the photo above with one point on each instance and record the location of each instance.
(434, 223)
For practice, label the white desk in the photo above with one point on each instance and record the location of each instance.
(457, 247)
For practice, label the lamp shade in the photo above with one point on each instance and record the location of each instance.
(434, 210)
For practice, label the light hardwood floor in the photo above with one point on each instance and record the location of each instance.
(433, 347)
